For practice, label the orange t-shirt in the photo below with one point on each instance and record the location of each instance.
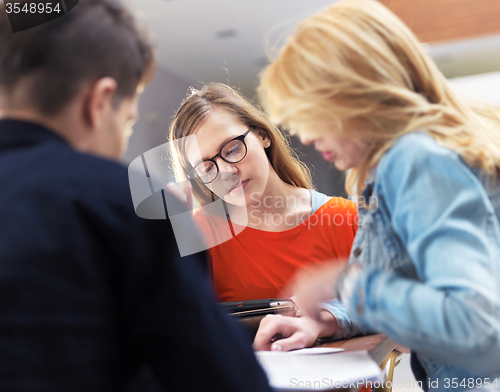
(257, 264)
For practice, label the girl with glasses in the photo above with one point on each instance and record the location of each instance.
(259, 213)
(425, 264)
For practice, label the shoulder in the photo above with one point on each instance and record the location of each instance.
(100, 193)
(89, 178)
(416, 148)
(336, 205)
(329, 204)
(418, 156)
(82, 198)
(208, 219)
(339, 213)
(56, 177)
(418, 170)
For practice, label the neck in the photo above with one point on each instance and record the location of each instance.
(273, 199)
(278, 199)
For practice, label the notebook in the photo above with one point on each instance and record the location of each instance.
(319, 371)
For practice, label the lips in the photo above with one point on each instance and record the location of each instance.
(328, 156)
(238, 185)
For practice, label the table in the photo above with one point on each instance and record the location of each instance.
(378, 346)
(383, 350)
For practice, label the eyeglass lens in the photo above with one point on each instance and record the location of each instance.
(233, 152)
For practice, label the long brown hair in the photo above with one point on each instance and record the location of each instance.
(217, 96)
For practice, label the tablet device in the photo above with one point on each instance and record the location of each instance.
(258, 307)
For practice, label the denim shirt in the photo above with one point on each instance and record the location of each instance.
(430, 257)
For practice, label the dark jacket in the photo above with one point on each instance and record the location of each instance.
(89, 292)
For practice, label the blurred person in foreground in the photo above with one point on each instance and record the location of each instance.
(90, 292)
(425, 265)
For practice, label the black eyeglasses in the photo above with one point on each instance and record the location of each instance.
(232, 152)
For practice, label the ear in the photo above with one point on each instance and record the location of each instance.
(99, 100)
(264, 136)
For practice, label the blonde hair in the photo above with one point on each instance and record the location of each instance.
(357, 68)
(217, 96)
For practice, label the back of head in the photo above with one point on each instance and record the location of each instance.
(357, 68)
(217, 96)
(96, 39)
(355, 59)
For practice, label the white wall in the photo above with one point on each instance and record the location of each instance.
(483, 87)
(157, 107)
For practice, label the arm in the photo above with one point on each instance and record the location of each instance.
(332, 322)
(345, 327)
(329, 320)
(442, 215)
(284, 333)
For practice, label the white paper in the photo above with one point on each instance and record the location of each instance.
(320, 372)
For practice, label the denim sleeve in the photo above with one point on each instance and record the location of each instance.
(346, 328)
(443, 217)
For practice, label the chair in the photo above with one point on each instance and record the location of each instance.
(387, 366)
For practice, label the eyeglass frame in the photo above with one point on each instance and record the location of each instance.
(240, 138)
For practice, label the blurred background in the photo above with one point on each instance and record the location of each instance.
(229, 41)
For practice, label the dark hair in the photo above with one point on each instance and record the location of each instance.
(98, 38)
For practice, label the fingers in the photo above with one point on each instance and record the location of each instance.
(308, 309)
(184, 194)
(307, 299)
(314, 286)
(175, 190)
(296, 341)
(280, 333)
(188, 191)
(270, 327)
(294, 299)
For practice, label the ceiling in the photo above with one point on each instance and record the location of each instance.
(229, 40)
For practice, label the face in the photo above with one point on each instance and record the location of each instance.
(237, 183)
(118, 128)
(108, 127)
(344, 152)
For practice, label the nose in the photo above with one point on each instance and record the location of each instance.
(305, 140)
(226, 170)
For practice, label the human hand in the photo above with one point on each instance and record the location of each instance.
(314, 285)
(183, 193)
(284, 333)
